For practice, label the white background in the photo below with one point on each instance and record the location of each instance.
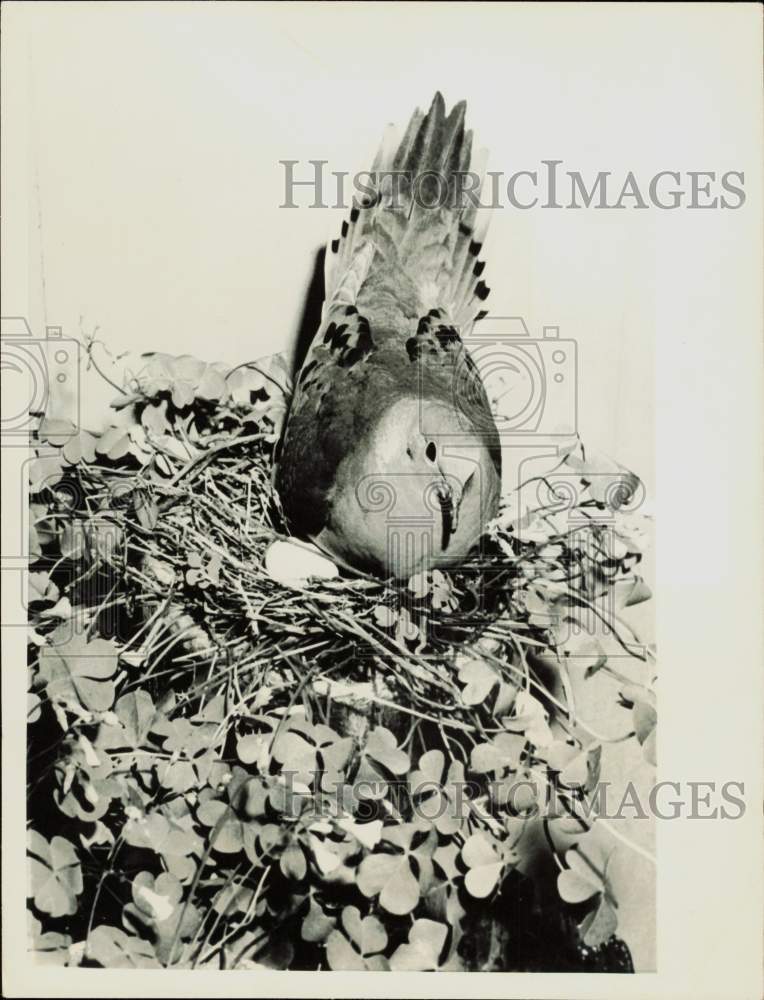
(153, 181)
(141, 193)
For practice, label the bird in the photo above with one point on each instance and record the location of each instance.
(390, 459)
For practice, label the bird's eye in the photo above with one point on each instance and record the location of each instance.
(431, 452)
(409, 452)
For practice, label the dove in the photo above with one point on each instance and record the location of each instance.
(390, 460)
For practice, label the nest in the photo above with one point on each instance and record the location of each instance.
(172, 512)
(155, 536)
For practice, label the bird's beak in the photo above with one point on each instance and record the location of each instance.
(456, 474)
(449, 509)
(455, 469)
(450, 493)
(449, 512)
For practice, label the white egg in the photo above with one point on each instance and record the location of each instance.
(295, 563)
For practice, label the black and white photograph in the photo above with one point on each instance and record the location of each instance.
(382, 459)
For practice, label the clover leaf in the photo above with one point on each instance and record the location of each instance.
(644, 716)
(368, 834)
(502, 752)
(254, 748)
(406, 630)
(86, 782)
(158, 903)
(577, 766)
(42, 590)
(585, 877)
(158, 897)
(292, 862)
(55, 874)
(294, 746)
(78, 672)
(424, 950)
(227, 835)
(80, 448)
(114, 443)
(33, 707)
(400, 874)
(55, 431)
(390, 876)
(154, 418)
(579, 881)
(212, 386)
(437, 795)
(531, 719)
(631, 592)
(45, 472)
(442, 898)
(50, 948)
(317, 923)
(485, 863)
(599, 924)
(165, 835)
(385, 616)
(443, 593)
(359, 945)
(236, 897)
(136, 716)
(419, 584)
(478, 677)
(113, 949)
(380, 758)
(184, 737)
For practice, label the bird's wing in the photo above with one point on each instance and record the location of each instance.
(412, 243)
(324, 418)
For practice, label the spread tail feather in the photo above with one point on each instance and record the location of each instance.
(421, 214)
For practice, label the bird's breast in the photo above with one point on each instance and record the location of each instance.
(388, 515)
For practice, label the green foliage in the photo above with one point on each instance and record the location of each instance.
(209, 804)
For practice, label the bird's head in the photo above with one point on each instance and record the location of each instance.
(416, 493)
